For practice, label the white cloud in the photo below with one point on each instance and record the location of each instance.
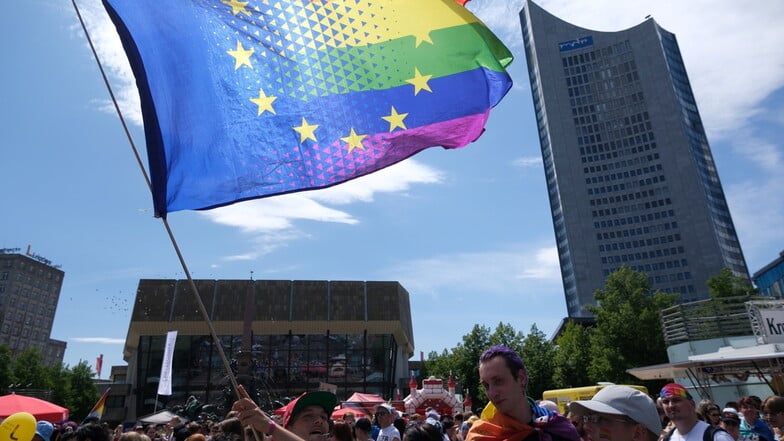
(528, 161)
(732, 50)
(101, 340)
(525, 272)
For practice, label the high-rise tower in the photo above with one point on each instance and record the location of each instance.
(629, 171)
(29, 291)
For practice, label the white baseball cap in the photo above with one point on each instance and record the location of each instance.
(624, 400)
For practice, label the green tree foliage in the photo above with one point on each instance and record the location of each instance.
(572, 357)
(628, 330)
(538, 353)
(84, 394)
(6, 372)
(28, 371)
(71, 388)
(727, 284)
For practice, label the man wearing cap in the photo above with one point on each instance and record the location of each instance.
(385, 416)
(730, 421)
(682, 411)
(305, 418)
(511, 415)
(619, 413)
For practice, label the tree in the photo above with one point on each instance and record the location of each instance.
(6, 371)
(538, 352)
(628, 330)
(84, 395)
(572, 357)
(28, 370)
(727, 284)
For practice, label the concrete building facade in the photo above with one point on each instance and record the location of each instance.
(630, 174)
(282, 338)
(29, 292)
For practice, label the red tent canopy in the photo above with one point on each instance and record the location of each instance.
(41, 410)
(337, 414)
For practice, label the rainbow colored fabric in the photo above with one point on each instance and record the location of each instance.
(247, 99)
(674, 390)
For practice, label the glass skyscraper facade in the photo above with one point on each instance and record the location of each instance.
(630, 174)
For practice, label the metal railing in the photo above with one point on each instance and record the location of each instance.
(706, 319)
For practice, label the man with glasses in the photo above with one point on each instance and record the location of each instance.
(511, 415)
(619, 413)
(385, 417)
(730, 421)
(680, 409)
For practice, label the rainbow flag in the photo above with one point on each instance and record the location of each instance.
(100, 406)
(247, 99)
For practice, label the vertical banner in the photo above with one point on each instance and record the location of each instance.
(99, 365)
(165, 383)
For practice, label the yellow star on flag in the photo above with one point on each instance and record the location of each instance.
(422, 36)
(395, 119)
(237, 7)
(264, 102)
(420, 81)
(241, 56)
(354, 141)
(306, 131)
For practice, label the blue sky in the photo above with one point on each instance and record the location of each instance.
(467, 232)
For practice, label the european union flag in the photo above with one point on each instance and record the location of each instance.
(247, 99)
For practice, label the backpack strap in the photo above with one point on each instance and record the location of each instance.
(710, 432)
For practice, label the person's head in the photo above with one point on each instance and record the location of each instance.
(349, 418)
(43, 431)
(773, 411)
(449, 427)
(678, 404)
(423, 432)
(730, 421)
(362, 429)
(709, 412)
(619, 413)
(341, 431)
(385, 415)
(503, 375)
(91, 432)
(749, 407)
(308, 415)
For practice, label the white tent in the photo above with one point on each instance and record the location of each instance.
(161, 417)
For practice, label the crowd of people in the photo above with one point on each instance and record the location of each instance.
(615, 413)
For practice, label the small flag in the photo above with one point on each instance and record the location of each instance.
(248, 99)
(99, 365)
(100, 406)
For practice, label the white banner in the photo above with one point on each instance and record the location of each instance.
(772, 325)
(165, 383)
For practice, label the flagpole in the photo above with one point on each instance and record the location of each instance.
(185, 269)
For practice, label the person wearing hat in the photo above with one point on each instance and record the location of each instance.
(619, 413)
(306, 418)
(680, 408)
(385, 415)
(43, 431)
(511, 415)
(730, 421)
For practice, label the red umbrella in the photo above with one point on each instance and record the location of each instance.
(41, 410)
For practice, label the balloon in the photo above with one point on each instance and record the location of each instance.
(18, 427)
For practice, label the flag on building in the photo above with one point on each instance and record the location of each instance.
(99, 365)
(247, 99)
(100, 406)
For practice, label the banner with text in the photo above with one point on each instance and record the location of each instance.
(165, 383)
